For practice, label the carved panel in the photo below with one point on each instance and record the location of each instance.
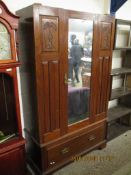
(105, 36)
(49, 33)
(51, 95)
(103, 74)
(100, 71)
(45, 67)
(54, 94)
(105, 83)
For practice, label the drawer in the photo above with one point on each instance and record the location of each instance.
(62, 152)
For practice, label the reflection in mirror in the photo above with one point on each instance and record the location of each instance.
(79, 69)
(5, 49)
(123, 36)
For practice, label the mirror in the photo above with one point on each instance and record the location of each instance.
(5, 49)
(80, 36)
(123, 36)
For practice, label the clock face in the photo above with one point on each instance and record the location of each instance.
(5, 48)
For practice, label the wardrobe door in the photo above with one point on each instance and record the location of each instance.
(105, 30)
(50, 86)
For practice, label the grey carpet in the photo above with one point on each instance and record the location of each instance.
(115, 159)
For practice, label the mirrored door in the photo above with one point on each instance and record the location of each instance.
(80, 37)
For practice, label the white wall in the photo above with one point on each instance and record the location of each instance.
(95, 6)
(125, 11)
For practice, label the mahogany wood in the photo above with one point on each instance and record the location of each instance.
(44, 65)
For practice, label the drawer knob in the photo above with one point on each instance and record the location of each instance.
(65, 150)
(92, 138)
(52, 163)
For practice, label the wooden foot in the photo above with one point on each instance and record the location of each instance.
(102, 146)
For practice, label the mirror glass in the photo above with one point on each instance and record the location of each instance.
(80, 36)
(123, 35)
(5, 49)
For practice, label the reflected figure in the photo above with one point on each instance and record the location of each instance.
(72, 39)
(76, 53)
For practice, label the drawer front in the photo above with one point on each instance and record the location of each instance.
(64, 151)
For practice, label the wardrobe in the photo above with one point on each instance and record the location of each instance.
(64, 100)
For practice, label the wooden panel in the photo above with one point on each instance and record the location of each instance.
(105, 83)
(46, 96)
(54, 94)
(49, 33)
(13, 162)
(106, 33)
(51, 95)
(100, 71)
(105, 42)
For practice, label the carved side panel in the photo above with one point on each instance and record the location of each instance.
(46, 92)
(54, 94)
(103, 84)
(49, 33)
(106, 33)
(100, 71)
(51, 95)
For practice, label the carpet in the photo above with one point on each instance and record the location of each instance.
(115, 159)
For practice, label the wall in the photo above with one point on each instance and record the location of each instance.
(95, 6)
(125, 11)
